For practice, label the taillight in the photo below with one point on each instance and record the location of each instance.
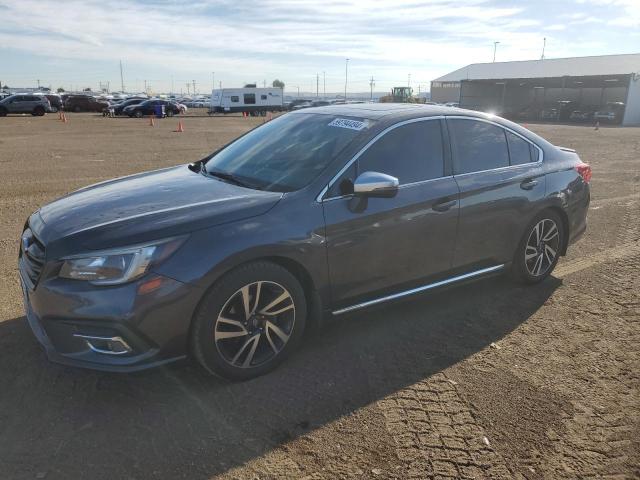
(584, 170)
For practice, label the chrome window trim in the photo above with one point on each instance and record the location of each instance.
(319, 198)
(326, 188)
(423, 288)
(540, 151)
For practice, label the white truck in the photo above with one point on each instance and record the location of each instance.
(254, 101)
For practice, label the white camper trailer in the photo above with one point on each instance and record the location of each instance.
(255, 101)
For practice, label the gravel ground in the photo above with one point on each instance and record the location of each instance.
(489, 380)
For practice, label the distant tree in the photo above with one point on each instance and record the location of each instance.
(60, 90)
(278, 84)
(5, 87)
(250, 85)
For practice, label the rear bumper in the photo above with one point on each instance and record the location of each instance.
(72, 322)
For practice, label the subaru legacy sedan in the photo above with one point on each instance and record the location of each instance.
(313, 215)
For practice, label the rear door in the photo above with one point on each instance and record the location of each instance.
(500, 181)
(379, 245)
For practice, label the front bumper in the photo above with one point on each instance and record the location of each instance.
(112, 328)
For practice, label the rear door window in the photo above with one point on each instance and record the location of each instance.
(477, 146)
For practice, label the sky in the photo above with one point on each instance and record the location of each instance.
(167, 43)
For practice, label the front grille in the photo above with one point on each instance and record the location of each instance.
(32, 258)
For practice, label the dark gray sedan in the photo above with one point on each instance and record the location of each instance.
(315, 214)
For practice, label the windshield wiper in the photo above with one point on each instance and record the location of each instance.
(229, 177)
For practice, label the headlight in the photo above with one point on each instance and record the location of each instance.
(111, 267)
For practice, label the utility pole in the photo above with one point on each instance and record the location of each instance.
(346, 77)
(544, 45)
(371, 84)
(213, 80)
(145, 87)
(194, 86)
(38, 84)
(188, 87)
(220, 83)
(324, 85)
(264, 84)
(409, 80)
(121, 77)
(495, 47)
(172, 84)
(317, 85)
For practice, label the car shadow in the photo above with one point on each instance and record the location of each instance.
(179, 422)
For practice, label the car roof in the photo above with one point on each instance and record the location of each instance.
(389, 111)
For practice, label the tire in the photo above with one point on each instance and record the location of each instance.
(3, 112)
(138, 114)
(535, 259)
(38, 111)
(238, 339)
(54, 109)
(77, 109)
(170, 113)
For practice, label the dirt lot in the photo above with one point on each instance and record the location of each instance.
(489, 380)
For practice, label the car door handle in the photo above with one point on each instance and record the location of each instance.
(444, 205)
(528, 184)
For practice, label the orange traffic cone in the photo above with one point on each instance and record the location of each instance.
(151, 124)
(597, 126)
(180, 127)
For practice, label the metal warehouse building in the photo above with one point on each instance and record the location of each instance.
(536, 89)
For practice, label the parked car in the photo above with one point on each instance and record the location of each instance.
(36, 105)
(315, 214)
(118, 108)
(298, 101)
(581, 116)
(612, 113)
(84, 103)
(549, 115)
(148, 108)
(300, 106)
(55, 101)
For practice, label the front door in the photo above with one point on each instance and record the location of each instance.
(381, 245)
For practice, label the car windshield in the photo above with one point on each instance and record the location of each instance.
(288, 152)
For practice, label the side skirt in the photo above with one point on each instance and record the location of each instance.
(423, 288)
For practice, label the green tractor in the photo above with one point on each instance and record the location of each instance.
(400, 95)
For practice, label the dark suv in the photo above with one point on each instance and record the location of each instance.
(313, 215)
(36, 105)
(84, 103)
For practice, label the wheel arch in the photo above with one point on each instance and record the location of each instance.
(565, 226)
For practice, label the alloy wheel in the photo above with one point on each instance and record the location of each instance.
(542, 247)
(254, 324)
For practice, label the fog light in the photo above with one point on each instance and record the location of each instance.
(105, 345)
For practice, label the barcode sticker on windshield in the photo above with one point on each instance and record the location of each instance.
(346, 123)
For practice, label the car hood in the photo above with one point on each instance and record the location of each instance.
(144, 207)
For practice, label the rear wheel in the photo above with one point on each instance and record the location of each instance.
(249, 322)
(3, 112)
(138, 114)
(39, 111)
(539, 250)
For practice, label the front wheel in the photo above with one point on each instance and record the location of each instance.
(139, 114)
(3, 112)
(539, 250)
(249, 322)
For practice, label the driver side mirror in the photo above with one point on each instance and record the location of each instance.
(375, 184)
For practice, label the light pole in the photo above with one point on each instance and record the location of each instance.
(213, 80)
(544, 45)
(324, 86)
(346, 77)
(409, 80)
(495, 46)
